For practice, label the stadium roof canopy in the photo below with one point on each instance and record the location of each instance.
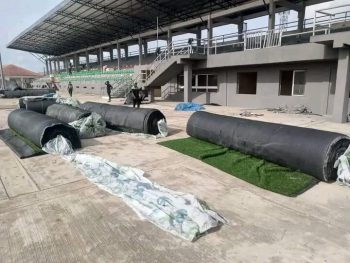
(78, 24)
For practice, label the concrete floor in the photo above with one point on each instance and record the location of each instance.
(50, 213)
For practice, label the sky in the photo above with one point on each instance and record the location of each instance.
(18, 15)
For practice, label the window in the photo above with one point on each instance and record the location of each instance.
(247, 82)
(292, 82)
(201, 82)
(212, 81)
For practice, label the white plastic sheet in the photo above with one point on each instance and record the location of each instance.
(178, 213)
(67, 101)
(343, 168)
(90, 127)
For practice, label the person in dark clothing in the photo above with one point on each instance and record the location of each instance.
(70, 68)
(136, 99)
(70, 89)
(109, 89)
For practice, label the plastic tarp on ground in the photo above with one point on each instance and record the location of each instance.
(66, 113)
(189, 106)
(129, 119)
(26, 92)
(36, 103)
(39, 128)
(178, 213)
(343, 168)
(308, 150)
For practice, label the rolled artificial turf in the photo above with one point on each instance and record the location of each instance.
(253, 170)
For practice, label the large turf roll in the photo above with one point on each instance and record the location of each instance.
(39, 128)
(66, 113)
(307, 150)
(26, 92)
(122, 117)
(37, 104)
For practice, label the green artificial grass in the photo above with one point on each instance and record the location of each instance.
(35, 148)
(256, 171)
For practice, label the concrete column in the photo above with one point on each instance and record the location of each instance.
(100, 55)
(140, 51)
(199, 35)
(271, 14)
(301, 17)
(54, 66)
(119, 55)
(66, 65)
(341, 97)
(126, 51)
(240, 26)
(50, 67)
(145, 47)
(87, 60)
(210, 33)
(59, 66)
(76, 62)
(47, 67)
(187, 82)
(168, 41)
(151, 95)
(111, 53)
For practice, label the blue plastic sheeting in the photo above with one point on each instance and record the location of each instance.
(189, 106)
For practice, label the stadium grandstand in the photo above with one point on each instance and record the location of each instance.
(301, 62)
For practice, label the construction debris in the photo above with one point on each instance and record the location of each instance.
(300, 109)
(250, 114)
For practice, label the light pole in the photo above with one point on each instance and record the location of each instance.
(2, 74)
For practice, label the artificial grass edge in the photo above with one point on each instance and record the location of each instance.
(256, 171)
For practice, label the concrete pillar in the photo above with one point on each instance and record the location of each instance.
(66, 65)
(50, 67)
(111, 53)
(59, 66)
(341, 97)
(168, 41)
(240, 26)
(271, 14)
(145, 47)
(76, 62)
(54, 66)
(119, 55)
(100, 55)
(126, 51)
(47, 67)
(151, 95)
(199, 35)
(87, 60)
(187, 82)
(140, 51)
(210, 33)
(301, 17)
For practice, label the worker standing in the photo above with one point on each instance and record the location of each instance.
(136, 100)
(109, 89)
(70, 89)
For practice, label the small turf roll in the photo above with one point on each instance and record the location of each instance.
(307, 150)
(39, 128)
(142, 120)
(66, 113)
(26, 92)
